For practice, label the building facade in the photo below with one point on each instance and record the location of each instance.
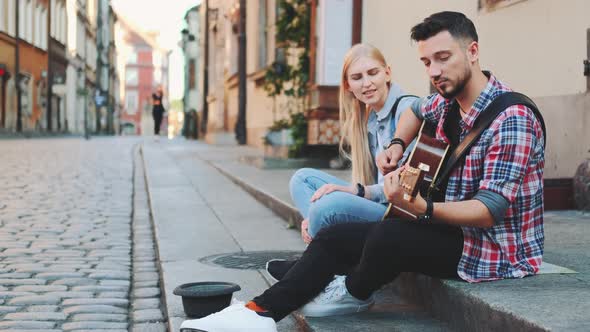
(75, 71)
(8, 93)
(142, 67)
(57, 67)
(219, 39)
(326, 51)
(32, 78)
(191, 38)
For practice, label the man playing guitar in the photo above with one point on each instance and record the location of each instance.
(496, 193)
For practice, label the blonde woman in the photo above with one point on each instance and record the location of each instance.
(323, 199)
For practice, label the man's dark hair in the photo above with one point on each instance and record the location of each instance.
(457, 24)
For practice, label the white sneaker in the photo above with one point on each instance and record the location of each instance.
(335, 300)
(234, 318)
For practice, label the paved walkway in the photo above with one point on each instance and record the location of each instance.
(67, 255)
(199, 213)
(78, 221)
(192, 169)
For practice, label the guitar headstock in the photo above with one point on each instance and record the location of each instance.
(410, 180)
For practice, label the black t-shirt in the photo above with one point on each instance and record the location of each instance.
(452, 129)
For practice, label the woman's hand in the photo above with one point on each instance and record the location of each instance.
(328, 188)
(304, 231)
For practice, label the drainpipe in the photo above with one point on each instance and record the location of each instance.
(241, 123)
(19, 120)
(205, 114)
(49, 72)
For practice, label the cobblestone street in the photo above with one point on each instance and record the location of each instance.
(67, 234)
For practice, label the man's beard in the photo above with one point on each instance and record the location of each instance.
(458, 88)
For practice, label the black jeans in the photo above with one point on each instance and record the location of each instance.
(370, 254)
(157, 115)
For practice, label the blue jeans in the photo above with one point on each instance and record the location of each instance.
(334, 208)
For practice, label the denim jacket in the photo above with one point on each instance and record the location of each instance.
(381, 129)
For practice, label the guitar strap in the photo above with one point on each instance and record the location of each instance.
(486, 117)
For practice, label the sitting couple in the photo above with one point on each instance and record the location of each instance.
(488, 226)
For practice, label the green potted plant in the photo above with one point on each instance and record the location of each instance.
(290, 78)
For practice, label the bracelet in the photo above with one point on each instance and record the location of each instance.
(427, 216)
(399, 141)
(360, 190)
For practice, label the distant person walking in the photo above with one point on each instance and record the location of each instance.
(157, 109)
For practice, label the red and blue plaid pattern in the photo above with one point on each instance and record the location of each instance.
(508, 159)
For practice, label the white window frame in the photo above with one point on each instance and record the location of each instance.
(127, 79)
(132, 57)
(22, 19)
(131, 101)
(29, 22)
(3, 14)
(11, 12)
(44, 28)
(64, 24)
(53, 18)
(37, 26)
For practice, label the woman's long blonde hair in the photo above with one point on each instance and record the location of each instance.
(354, 118)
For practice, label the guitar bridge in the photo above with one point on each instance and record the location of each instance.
(424, 167)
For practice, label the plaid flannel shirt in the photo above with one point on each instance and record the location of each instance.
(508, 159)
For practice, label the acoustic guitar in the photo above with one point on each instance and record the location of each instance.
(424, 164)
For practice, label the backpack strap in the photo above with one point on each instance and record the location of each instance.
(485, 118)
(396, 104)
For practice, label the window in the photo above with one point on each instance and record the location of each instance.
(280, 52)
(37, 27)
(131, 99)
(64, 24)
(53, 18)
(3, 16)
(157, 75)
(262, 34)
(81, 35)
(11, 11)
(44, 29)
(21, 19)
(157, 59)
(132, 57)
(131, 76)
(29, 22)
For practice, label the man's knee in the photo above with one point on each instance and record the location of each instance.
(387, 237)
(330, 233)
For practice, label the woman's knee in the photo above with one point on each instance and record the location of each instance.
(322, 213)
(298, 178)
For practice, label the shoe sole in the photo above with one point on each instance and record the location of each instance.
(268, 273)
(324, 311)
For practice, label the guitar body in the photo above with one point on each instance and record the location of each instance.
(424, 163)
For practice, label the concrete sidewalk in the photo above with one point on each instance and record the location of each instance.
(198, 211)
